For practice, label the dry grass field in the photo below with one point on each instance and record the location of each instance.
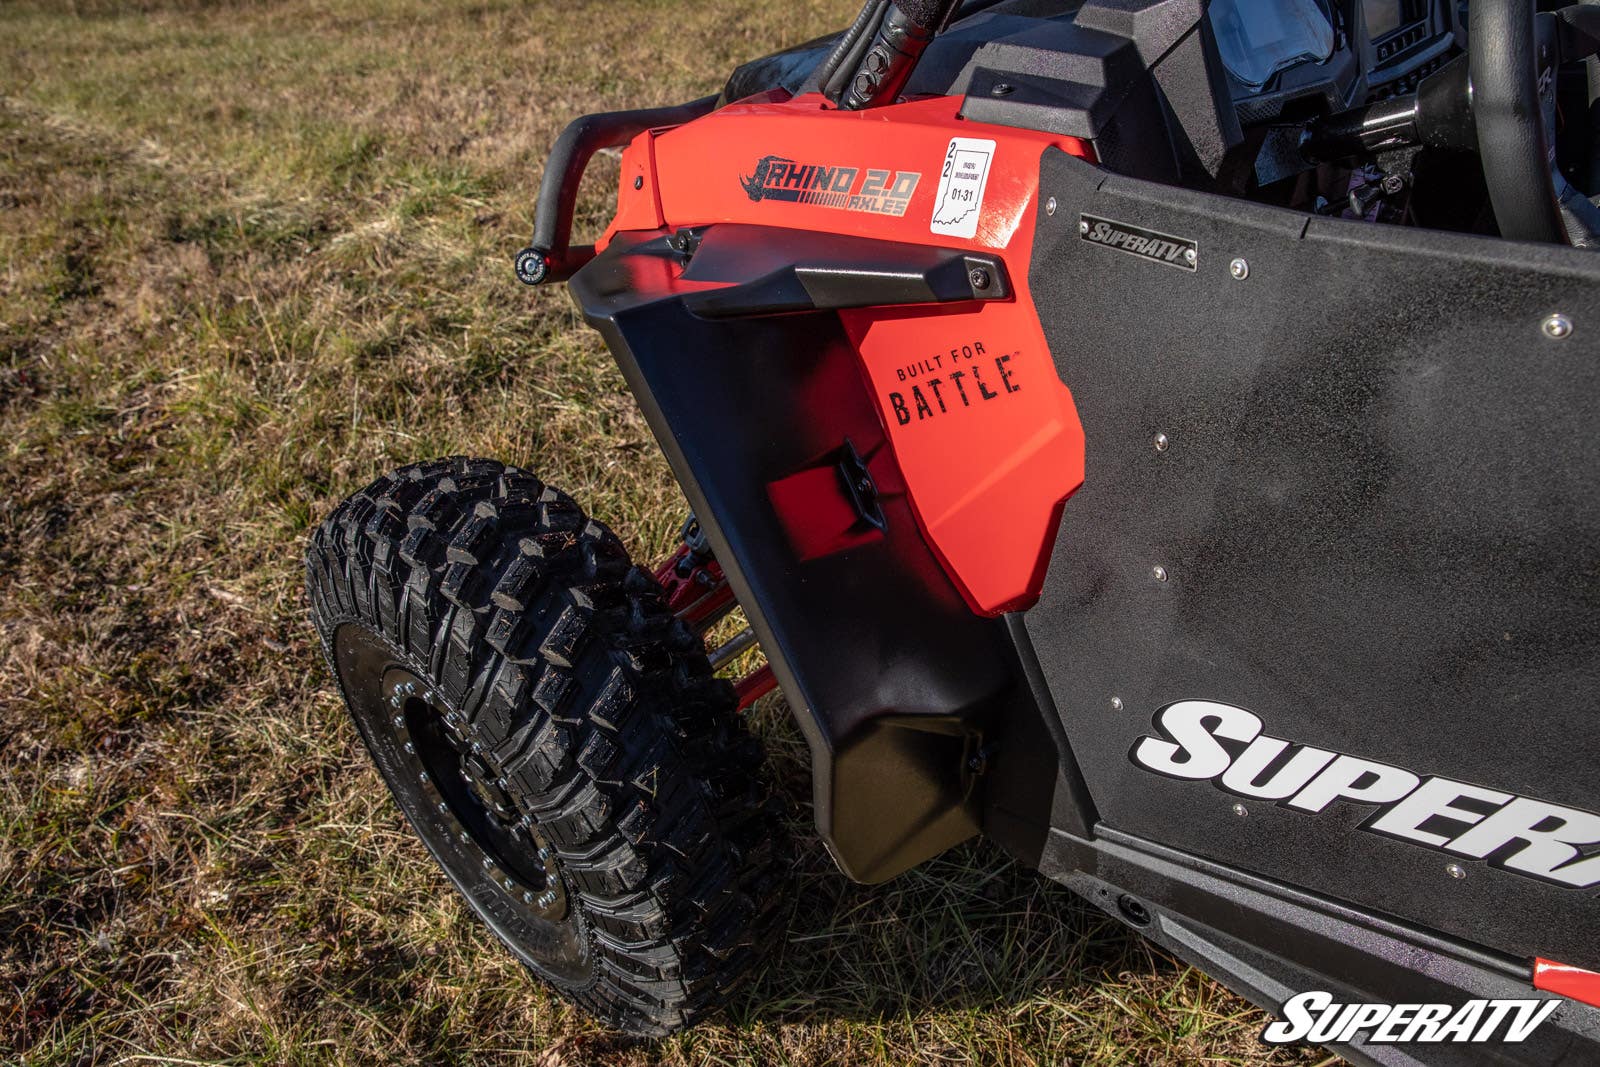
(251, 255)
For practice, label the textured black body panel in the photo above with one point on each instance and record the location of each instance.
(1379, 514)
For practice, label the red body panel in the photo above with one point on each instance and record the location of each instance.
(981, 425)
(1574, 983)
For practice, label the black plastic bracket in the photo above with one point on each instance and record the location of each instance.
(789, 272)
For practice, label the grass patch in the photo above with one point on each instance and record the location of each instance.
(252, 254)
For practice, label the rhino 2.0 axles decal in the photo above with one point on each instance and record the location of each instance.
(1203, 740)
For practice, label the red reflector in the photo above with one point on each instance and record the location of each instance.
(1575, 983)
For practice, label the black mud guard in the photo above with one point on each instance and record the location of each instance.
(895, 683)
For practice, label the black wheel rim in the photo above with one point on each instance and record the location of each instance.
(452, 774)
(490, 847)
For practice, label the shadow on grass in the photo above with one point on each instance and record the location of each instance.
(970, 930)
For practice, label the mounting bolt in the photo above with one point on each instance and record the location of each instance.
(1161, 442)
(1557, 327)
(1116, 703)
(1239, 269)
(978, 277)
(1159, 572)
(1050, 206)
(1455, 870)
(1003, 89)
(1240, 810)
(638, 181)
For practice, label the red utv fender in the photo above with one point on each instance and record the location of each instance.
(825, 315)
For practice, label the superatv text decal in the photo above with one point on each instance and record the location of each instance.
(962, 179)
(1318, 1018)
(1202, 740)
(965, 376)
(1146, 244)
(878, 192)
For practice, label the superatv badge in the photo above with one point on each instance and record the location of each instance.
(1205, 740)
(878, 192)
(1146, 244)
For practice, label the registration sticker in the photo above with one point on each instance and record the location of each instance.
(961, 183)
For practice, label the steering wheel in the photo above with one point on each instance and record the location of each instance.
(1513, 55)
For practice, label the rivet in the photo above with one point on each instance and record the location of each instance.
(1083, 227)
(1161, 442)
(638, 181)
(1003, 89)
(1190, 255)
(1455, 870)
(1557, 327)
(1159, 572)
(1240, 810)
(1050, 206)
(1239, 269)
(1116, 703)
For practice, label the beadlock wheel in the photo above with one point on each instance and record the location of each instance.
(554, 735)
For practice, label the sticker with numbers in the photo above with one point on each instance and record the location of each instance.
(961, 182)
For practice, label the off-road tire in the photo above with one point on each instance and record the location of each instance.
(614, 828)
